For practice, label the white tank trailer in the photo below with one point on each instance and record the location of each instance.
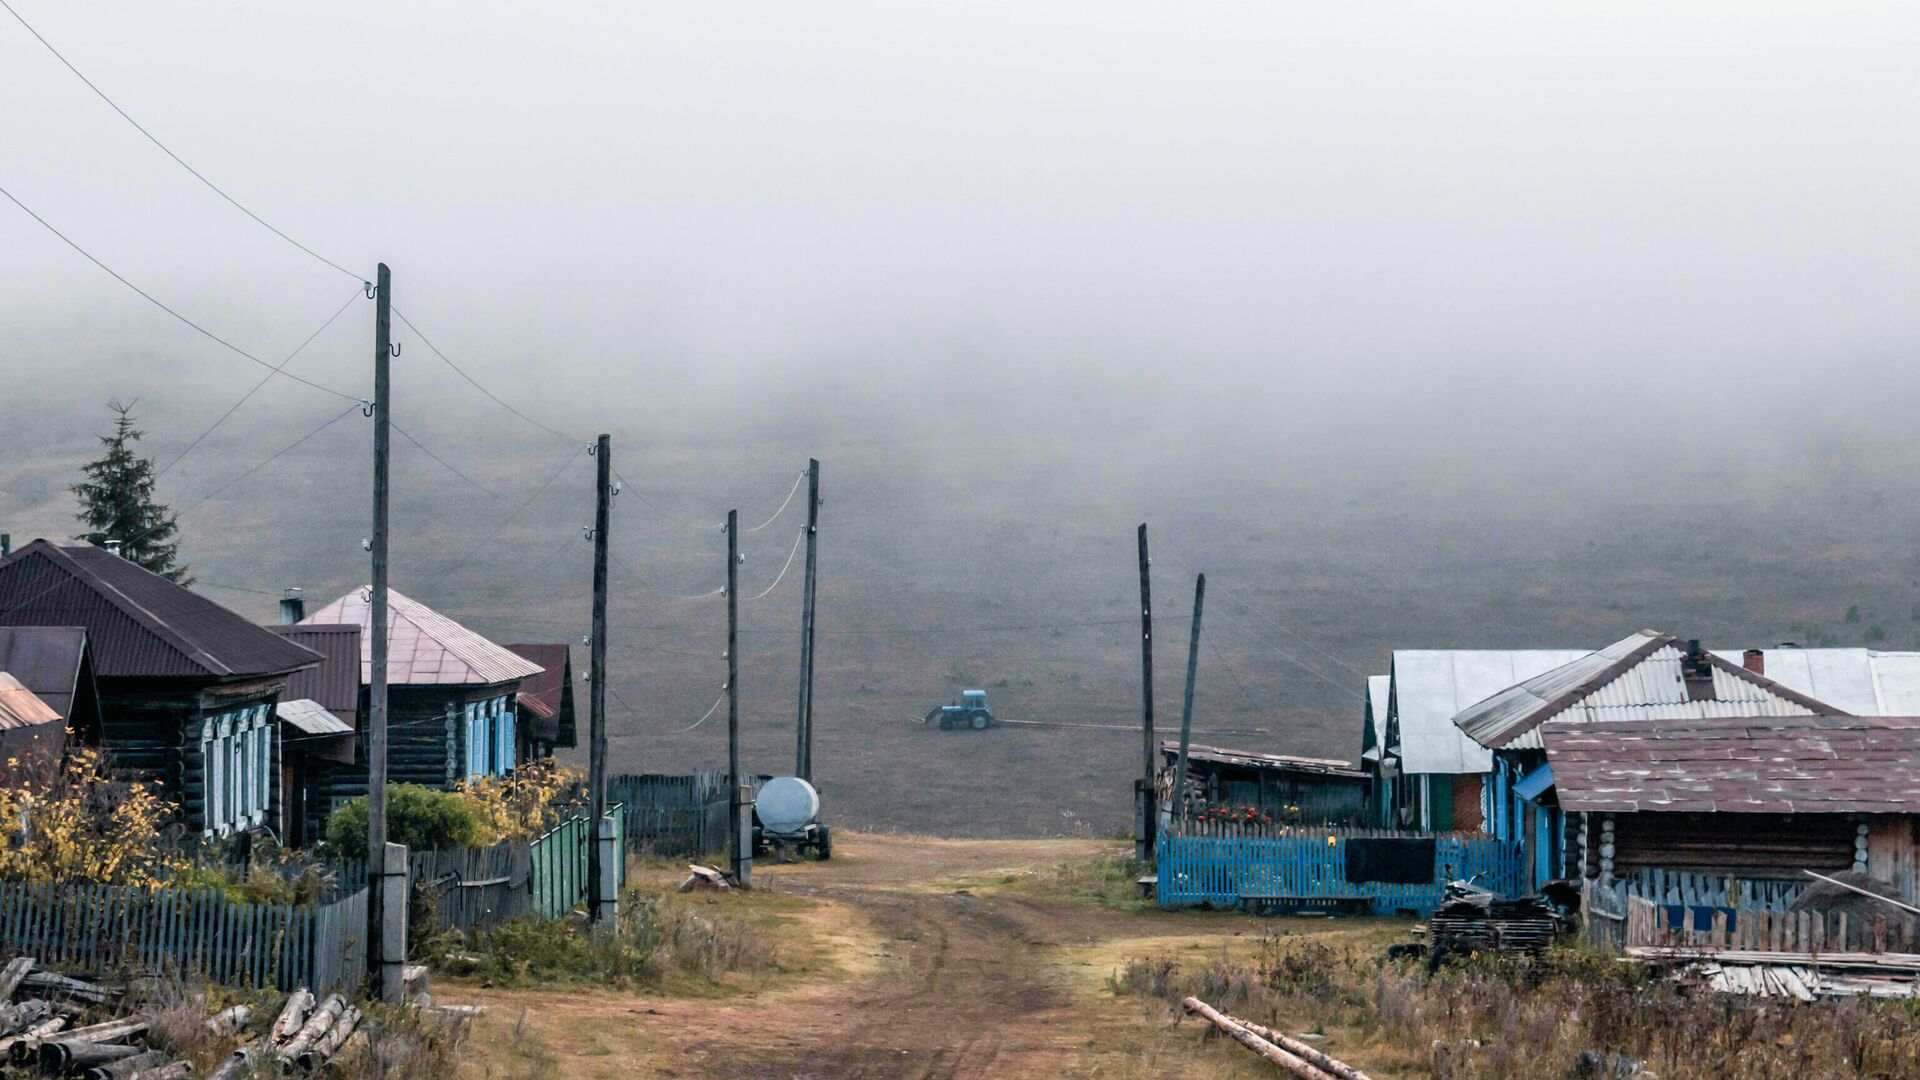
(786, 819)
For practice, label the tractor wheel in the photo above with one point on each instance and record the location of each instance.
(946, 723)
(980, 720)
(824, 848)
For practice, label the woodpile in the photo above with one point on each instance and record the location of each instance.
(705, 878)
(1289, 1053)
(1796, 975)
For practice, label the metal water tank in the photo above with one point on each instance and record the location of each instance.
(786, 805)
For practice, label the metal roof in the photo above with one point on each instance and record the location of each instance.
(48, 660)
(549, 694)
(1431, 685)
(139, 624)
(1864, 682)
(1639, 677)
(335, 683)
(1379, 693)
(311, 717)
(424, 647)
(1251, 760)
(1754, 765)
(21, 707)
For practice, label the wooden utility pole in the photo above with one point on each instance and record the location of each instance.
(803, 752)
(1179, 803)
(740, 859)
(1144, 816)
(597, 690)
(378, 962)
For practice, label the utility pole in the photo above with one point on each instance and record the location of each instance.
(1144, 817)
(1179, 803)
(383, 961)
(597, 690)
(740, 854)
(803, 753)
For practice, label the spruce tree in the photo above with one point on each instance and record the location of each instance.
(116, 501)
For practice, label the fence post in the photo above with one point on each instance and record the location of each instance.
(743, 831)
(388, 980)
(607, 889)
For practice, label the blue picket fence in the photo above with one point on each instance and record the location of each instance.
(1311, 869)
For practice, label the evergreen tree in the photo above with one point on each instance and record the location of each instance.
(116, 502)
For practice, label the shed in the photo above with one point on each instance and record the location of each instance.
(322, 756)
(55, 664)
(1274, 787)
(546, 700)
(187, 689)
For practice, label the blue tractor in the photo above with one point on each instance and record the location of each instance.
(971, 712)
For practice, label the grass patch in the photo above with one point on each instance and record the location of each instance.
(1516, 1018)
(1105, 881)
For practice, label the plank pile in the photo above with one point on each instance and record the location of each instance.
(1796, 975)
(38, 1031)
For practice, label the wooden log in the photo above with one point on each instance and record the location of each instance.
(240, 1065)
(17, 1018)
(11, 976)
(62, 987)
(33, 1034)
(292, 1015)
(126, 1067)
(228, 1022)
(1305, 1051)
(332, 1041)
(315, 1027)
(65, 1057)
(1255, 1043)
(178, 1070)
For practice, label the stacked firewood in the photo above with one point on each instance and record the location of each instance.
(38, 1029)
(306, 1035)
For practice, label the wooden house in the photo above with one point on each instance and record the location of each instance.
(1645, 678)
(54, 666)
(546, 701)
(451, 707)
(1267, 787)
(322, 755)
(186, 688)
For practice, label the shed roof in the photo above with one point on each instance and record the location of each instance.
(1741, 764)
(48, 660)
(21, 707)
(424, 647)
(1249, 759)
(311, 717)
(335, 683)
(1639, 677)
(139, 624)
(548, 695)
(1863, 682)
(1430, 686)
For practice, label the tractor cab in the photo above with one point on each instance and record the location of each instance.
(973, 700)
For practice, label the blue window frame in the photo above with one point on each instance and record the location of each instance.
(236, 768)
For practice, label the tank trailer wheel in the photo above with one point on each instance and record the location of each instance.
(824, 848)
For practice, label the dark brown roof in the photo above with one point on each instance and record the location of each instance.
(139, 624)
(335, 683)
(1749, 765)
(48, 660)
(1250, 760)
(549, 694)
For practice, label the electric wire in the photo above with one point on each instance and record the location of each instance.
(711, 709)
(1276, 624)
(797, 537)
(795, 490)
(463, 560)
(482, 488)
(149, 298)
(211, 186)
(264, 380)
(460, 371)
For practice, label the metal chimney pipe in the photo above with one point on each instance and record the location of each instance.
(292, 609)
(113, 548)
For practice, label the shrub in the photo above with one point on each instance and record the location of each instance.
(71, 821)
(525, 803)
(419, 817)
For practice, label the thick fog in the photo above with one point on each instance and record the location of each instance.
(1416, 325)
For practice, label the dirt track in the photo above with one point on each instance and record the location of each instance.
(935, 980)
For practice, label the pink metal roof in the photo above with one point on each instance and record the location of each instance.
(424, 647)
(20, 708)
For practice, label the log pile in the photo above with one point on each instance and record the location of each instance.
(1796, 975)
(1291, 1054)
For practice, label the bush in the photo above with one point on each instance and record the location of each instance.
(419, 817)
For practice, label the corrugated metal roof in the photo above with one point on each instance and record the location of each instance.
(1864, 682)
(1430, 686)
(21, 707)
(1379, 693)
(1755, 765)
(139, 624)
(424, 647)
(549, 695)
(1251, 760)
(1639, 677)
(335, 683)
(47, 660)
(311, 717)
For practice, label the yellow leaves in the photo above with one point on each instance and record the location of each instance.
(70, 820)
(524, 804)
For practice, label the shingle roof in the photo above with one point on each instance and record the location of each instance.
(139, 624)
(424, 647)
(1639, 677)
(335, 683)
(20, 707)
(1431, 685)
(1755, 765)
(47, 660)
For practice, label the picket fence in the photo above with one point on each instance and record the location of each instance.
(683, 815)
(187, 933)
(474, 888)
(1755, 929)
(1308, 868)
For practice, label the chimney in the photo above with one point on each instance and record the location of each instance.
(292, 608)
(1754, 660)
(6, 545)
(1697, 672)
(113, 548)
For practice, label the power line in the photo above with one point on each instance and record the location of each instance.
(462, 560)
(244, 398)
(1276, 624)
(783, 504)
(211, 186)
(484, 489)
(149, 298)
(799, 536)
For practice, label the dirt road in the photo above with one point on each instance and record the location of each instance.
(942, 968)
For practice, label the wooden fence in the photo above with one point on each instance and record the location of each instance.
(1760, 930)
(187, 933)
(557, 877)
(1308, 868)
(681, 815)
(474, 888)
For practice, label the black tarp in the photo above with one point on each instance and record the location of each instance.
(1390, 862)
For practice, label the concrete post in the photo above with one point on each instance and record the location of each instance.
(609, 883)
(388, 981)
(743, 836)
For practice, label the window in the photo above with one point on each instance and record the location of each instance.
(490, 736)
(236, 765)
